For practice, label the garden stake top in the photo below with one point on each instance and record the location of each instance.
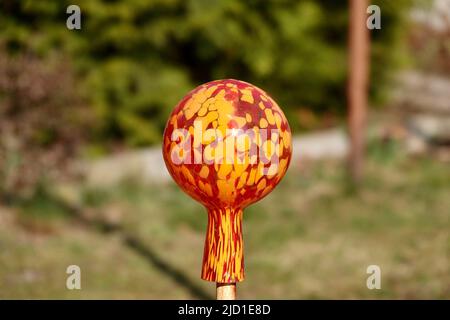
(227, 144)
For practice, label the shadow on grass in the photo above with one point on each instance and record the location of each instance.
(147, 253)
(166, 268)
(130, 242)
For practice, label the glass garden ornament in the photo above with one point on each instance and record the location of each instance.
(227, 144)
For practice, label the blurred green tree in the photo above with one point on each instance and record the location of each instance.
(135, 59)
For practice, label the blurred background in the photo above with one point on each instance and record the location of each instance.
(82, 179)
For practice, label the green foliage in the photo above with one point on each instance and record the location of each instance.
(135, 59)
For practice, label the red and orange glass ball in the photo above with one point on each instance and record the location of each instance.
(227, 144)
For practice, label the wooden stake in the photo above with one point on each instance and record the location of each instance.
(226, 291)
(357, 85)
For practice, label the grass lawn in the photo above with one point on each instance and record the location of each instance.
(313, 237)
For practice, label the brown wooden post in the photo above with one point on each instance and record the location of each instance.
(359, 45)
